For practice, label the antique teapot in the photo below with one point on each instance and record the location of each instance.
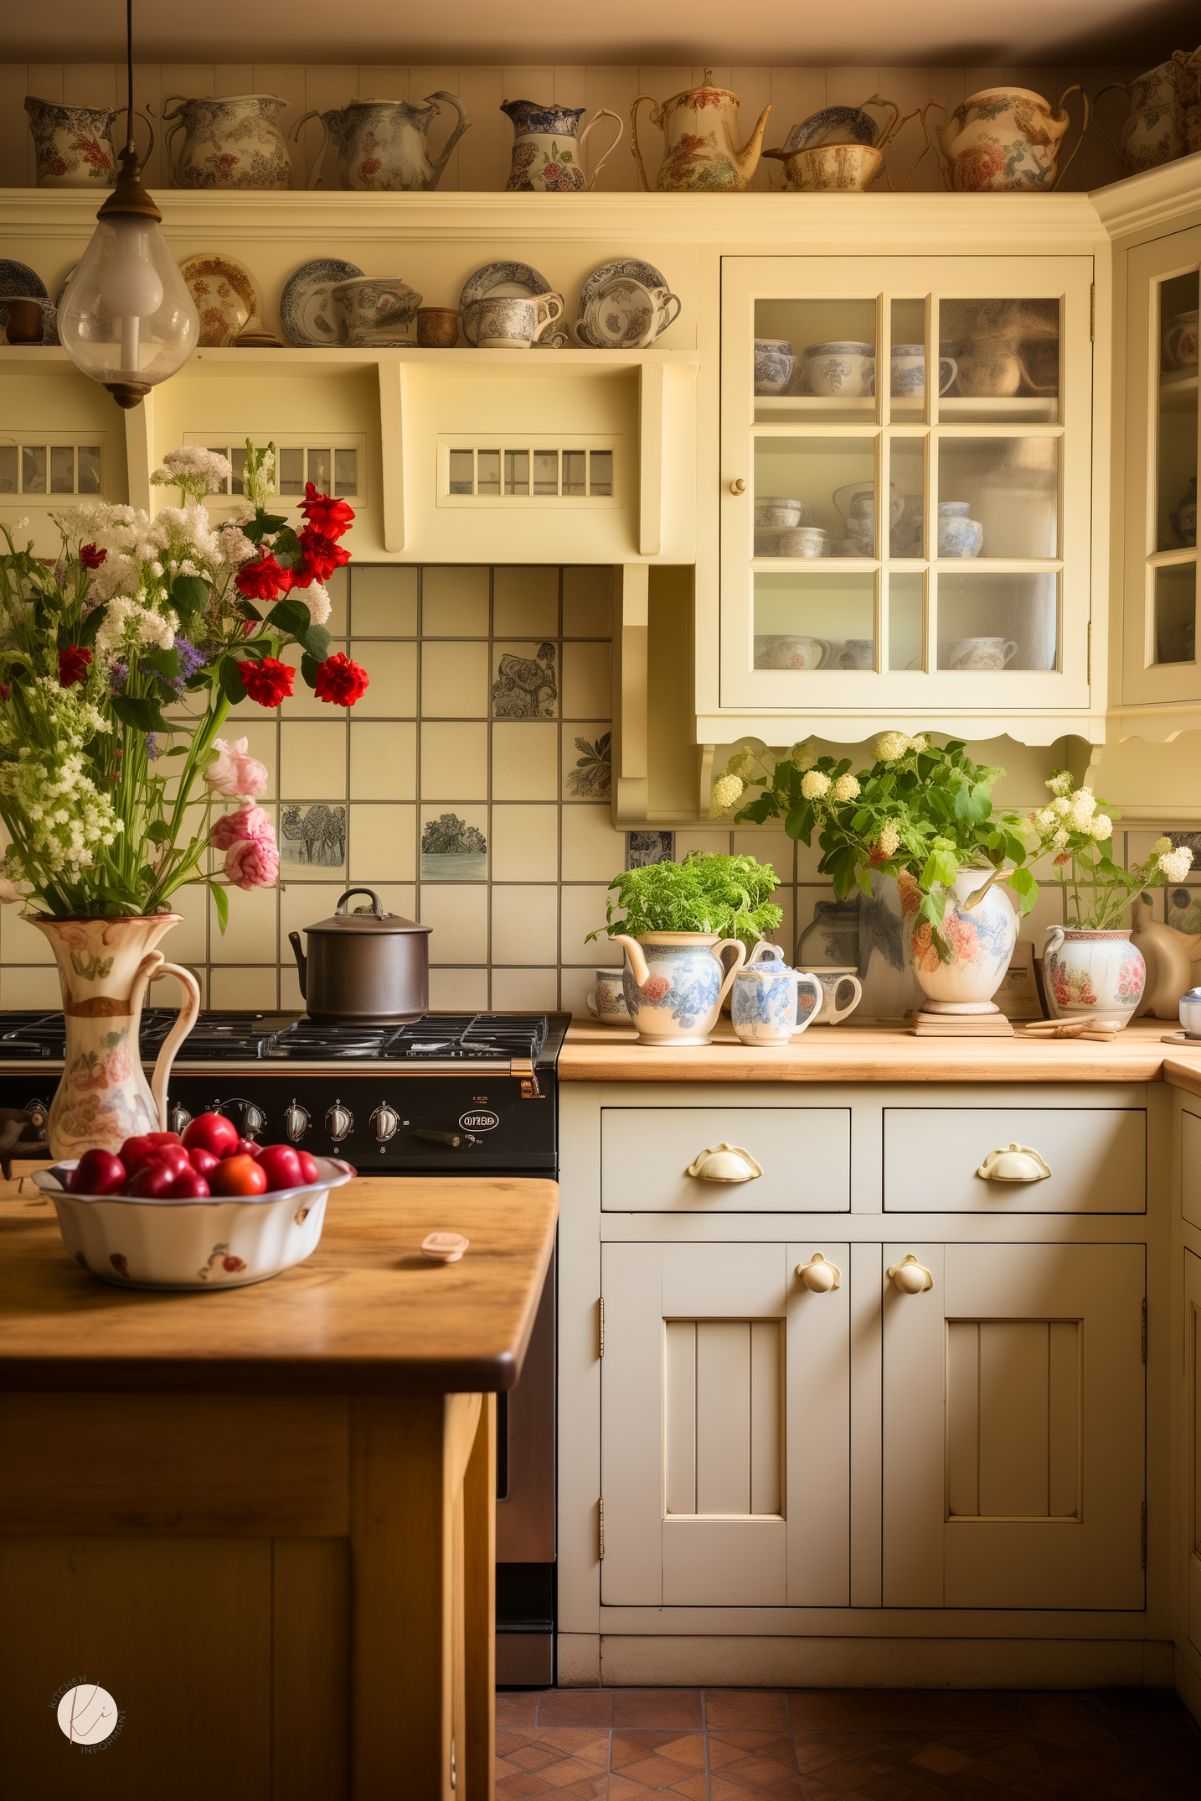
(1005, 139)
(231, 141)
(382, 145)
(701, 149)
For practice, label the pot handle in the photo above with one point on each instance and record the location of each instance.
(1075, 88)
(944, 165)
(919, 112)
(377, 905)
(894, 124)
(655, 120)
(151, 969)
(604, 113)
(1111, 87)
(739, 948)
(315, 113)
(301, 961)
(1053, 942)
(452, 140)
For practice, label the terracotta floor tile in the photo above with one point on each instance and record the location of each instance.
(575, 1707)
(526, 1786)
(518, 1706)
(1072, 1710)
(905, 1709)
(660, 1761)
(657, 1707)
(752, 1758)
(1145, 1710)
(725, 1787)
(623, 1787)
(765, 1708)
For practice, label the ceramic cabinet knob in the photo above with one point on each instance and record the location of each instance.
(738, 487)
(909, 1276)
(819, 1276)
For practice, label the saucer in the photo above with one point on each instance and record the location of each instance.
(384, 337)
(306, 311)
(626, 268)
(491, 278)
(224, 295)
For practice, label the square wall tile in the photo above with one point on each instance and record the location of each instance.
(383, 843)
(383, 600)
(338, 589)
(588, 602)
(525, 843)
(312, 759)
(454, 761)
(1047, 911)
(525, 922)
(290, 998)
(525, 680)
(587, 681)
(767, 847)
(392, 689)
(454, 844)
(708, 843)
(525, 990)
(242, 988)
(1182, 907)
(302, 904)
(524, 756)
(525, 602)
(20, 987)
(383, 760)
(459, 990)
(188, 942)
(312, 840)
(592, 850)
(582, 910)
(574, 987)
(454, 680)
(458, 917)
(252, 931)
(454, 601)
(587, 760)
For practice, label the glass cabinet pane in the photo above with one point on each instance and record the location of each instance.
(998, 497)
(1174, 637)
(989, 621)
(1176, 415)
(906, 621)
(819, 621)
(907, 468)
(1000, 358)
(815, 497)
(814, 357)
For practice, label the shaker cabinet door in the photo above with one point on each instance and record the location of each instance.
(724, 1427)
(1014, 1401)
(1192, 1443)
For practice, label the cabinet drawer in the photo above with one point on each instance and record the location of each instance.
(1190, 1168)
(1097, 1157)
(803, 1152)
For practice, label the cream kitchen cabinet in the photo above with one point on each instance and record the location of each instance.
(942, 568)
(1192, 1449)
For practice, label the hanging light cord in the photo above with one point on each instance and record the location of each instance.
(129, 70)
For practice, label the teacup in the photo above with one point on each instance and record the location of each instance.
(625, 315)
(778, 650)
(982, 653)
(841, 368)
(763, 1007)
(606, 1001)
(510, 321)
(775, 362)
(841, 993)
(803, 541)
(908, 366)
(438, 327)
(856, 653)
(368, 304)
(1180, 341)
(958, 536)
(776, 512)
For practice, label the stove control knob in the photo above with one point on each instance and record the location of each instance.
(385, 1123)
(296, 1121)
(339, 1122)
(178, 1118)
(252, 1119)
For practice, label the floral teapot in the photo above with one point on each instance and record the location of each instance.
(382, 145)
(701, 130)
(1006, 139)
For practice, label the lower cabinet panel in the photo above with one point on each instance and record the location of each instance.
(1014, 1402)
(725, 1421)
(1192, 1441)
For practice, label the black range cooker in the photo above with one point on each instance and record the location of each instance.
(452, 1094)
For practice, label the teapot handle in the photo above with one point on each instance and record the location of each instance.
(739, 948)
(169, 140)
(452, 140)
(944, 165)
(604, 113)
(919, 112)
(656, 118)
(894, 124)
(1111, 87)
(1075, 88)
(316, 113)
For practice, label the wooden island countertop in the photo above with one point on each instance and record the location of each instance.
(852, 1053)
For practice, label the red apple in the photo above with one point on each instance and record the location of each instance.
(203, 1162)
(153, 1180)
(98, 1172)
(245, 1147)
(308, 1167)
(238, 1176)
(189, 1185)
(280, 1163)
(212, 1132)
(143, 1145)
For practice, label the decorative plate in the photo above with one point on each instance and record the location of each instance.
(626, 268)
(832, 125)
(19, 282)
(305, 309)
(225, 296)
(491, 278)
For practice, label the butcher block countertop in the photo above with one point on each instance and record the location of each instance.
(366, 1313)
(851, 1053)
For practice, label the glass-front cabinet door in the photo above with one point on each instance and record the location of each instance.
(1160, 596)
(905, 463)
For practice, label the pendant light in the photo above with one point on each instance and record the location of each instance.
(127, 319)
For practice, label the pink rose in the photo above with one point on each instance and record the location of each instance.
(245, 822)
(252, 862)
(232, 770)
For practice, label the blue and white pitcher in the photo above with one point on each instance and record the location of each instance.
(548, 145)
(675, 983)
(765, 1011)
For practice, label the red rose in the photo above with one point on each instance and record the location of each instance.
(90, 557)
(325, 514)
(73, 665)
(5, 690)
(263, 579)
(321, 557)
(340, 680)
(268, 682)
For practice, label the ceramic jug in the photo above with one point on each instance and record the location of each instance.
(547, 146)
(701, 130)
(74, 144)
(675, 983)
(1006, 139)
(382, 145)
(1163, 102)
(231, 141)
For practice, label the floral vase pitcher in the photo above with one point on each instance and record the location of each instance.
(1006, 139)
(229, 141)
(105, 966)
(675, 983)
(1101, 974)
(701, 134)
(548, 144)
(383, 145)
(981, 935)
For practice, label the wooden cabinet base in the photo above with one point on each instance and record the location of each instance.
(346, 1655)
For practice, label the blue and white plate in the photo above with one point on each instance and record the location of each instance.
(493, 278)
(626, 268)
(832, 125)
(306, 311)
(19, 282)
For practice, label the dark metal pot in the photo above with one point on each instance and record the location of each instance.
(367, 965)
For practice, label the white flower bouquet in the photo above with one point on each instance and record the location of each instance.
(1077, 829)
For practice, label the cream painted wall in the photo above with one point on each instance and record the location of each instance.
(482, 156)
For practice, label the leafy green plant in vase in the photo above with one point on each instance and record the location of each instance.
(1090, 965)
(686, 929)
(922, 813)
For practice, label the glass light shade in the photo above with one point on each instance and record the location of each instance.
(126, 319)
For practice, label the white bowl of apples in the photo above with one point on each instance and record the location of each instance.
(208, 1210)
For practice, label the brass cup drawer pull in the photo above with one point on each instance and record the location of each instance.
(724, 1163)
(1014, 1163)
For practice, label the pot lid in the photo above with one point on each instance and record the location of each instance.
(374, 918)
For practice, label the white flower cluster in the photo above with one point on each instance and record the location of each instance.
(1175, 864)
(126, 625)
(319, 604)
(846, 787)
(814, 785)
(1071, 811)
(803, 756)
(727, 790)
(892, 746)
(65, 815)
(889, 840)
(193, 471)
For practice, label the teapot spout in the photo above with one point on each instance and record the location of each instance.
(639, 968)
(748, 157)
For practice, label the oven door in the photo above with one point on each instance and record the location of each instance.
(525, 1510)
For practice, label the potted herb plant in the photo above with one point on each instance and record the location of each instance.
(675, 923)
(924, 814)
(1090, 965)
